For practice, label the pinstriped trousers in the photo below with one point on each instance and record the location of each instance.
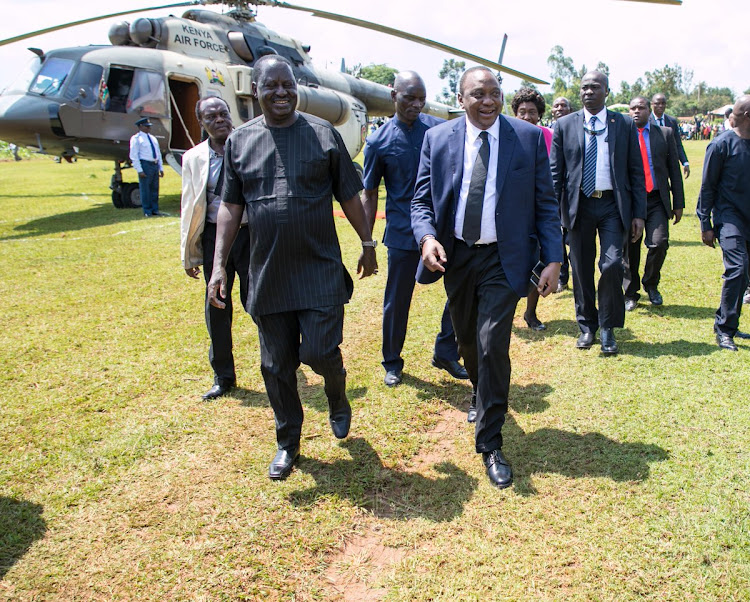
(312, 337)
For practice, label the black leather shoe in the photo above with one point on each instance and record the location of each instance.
(631, 304)
(724, 341)
(741, 335)
(452, 367)
(609, 345)
(498, 469)
(217, 391)
(585, 341)
(471, 415)
(534, 323)
(341, 420)
(282, 463)
(392, 378)
(655, 297)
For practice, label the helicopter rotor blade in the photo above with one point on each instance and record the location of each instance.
(90, 20)
(672, 2)
(401, 34)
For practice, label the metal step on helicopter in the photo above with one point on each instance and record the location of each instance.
(84, 101)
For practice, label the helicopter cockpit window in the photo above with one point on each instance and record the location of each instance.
(24, 79)
(52, 76)
(84, 84)
(148, 95)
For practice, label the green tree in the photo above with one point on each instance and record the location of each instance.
(667, 80)
(380, 74)
(451, 71)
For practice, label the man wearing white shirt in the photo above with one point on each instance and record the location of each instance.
(483, 214)
(599, 181)
(146, 159)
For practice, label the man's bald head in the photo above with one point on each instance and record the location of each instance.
(741, 115)
(409, 96)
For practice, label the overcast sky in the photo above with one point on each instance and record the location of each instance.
(630, 37)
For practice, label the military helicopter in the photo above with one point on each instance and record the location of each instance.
(84, 101)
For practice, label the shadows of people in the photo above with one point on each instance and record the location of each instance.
(679, 348)
(550, 450)
(387, 492)
(21, 524)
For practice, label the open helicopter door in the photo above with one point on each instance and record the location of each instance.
(186, 131)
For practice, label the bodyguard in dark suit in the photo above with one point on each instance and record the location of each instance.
(392, 154)
(660, 118)
(282, 169)
(661, 169)
(483, 208)
(598, 178)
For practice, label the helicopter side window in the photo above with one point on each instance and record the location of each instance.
(118, 87)
(51, 77)
(84, 84)
(148, 95)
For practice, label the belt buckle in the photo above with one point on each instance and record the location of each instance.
(597, 194)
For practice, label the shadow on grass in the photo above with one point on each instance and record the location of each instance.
(554, 328)
(21, 524)
(386, 492)
(677, 348)
(455, 392)
(692, 312)
(311, 395)
(550, 450)
(97, 215)
(685, 243)
(529, 399)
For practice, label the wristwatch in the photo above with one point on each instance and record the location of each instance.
(370, 243)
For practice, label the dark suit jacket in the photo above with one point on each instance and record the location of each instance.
(666, 167)
(566, 161)
(671, 122)
(526, 215)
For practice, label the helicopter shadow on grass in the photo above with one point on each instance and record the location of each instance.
(97, 215)
(21, 524)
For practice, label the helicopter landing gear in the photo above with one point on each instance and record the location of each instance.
(125, 195)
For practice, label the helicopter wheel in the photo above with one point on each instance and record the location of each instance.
(359, 170)
(117, 199)
(131, 196)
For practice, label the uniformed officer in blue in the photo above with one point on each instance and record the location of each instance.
(392, 154)
(146, 159)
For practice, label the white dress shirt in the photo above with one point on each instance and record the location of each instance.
(472, 144)
(140, 150)
(603, 169)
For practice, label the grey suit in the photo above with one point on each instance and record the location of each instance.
(610, 216)
(667, 177)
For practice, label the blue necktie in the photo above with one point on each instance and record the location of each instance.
(475, 197)
(589, 163)
(153, 148)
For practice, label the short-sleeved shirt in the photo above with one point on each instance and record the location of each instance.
(725, 190)
(392, 153)
(286, 178)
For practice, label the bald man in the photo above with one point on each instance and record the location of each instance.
(392, 154)
(724, 212)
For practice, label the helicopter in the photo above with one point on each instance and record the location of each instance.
(84, 101)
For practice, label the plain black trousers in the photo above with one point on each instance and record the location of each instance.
(482, 304)
(657, 243)
(312, 337)
(399, 288)
(219, 321)
(598, 216)
(735, 250)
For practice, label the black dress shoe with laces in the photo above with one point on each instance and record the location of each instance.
(609, 344)
(741, 335)
(724, 341)
(655, 297)
(534, 323)
(217, 391)
(471, 415)
(452, 367)
(585, 341)
(498, 469)
(282, 463)
(392, 378)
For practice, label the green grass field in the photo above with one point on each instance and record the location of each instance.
(118, 483)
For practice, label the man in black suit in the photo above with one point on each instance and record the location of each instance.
(660, 118)
(661, 169)
(282, 169)
(598, 178)
(483, 209)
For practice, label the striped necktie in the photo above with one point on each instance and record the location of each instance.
(589, 162)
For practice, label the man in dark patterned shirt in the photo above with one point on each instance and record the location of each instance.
(283, 168)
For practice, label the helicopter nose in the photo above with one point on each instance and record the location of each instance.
(27, 120)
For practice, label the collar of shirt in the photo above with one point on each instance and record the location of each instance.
(646, 127)
(601, 117)
(472, 132)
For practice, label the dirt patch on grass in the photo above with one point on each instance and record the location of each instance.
(441, 440)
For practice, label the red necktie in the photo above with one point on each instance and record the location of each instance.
(644, 157)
